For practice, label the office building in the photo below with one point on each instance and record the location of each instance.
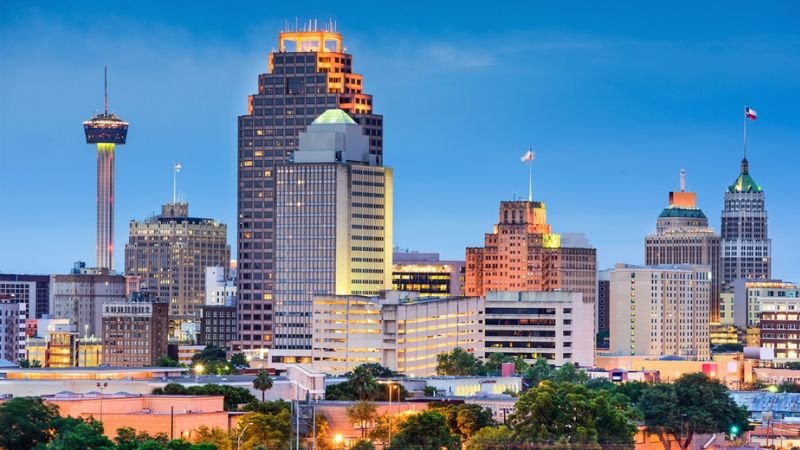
(683, 237)
(170, 253)
(660, 310)
(105, 130)
(556, 326)
(21, 292)
(307, 74)
(79, 297)
(220, 287)
(603, 307)
(746, 248)
(779, 320)
(752, 297)
(12, 328)
(523, 254)
(17, 285)
(333, 228)
(427, 274)
(399, 330)
(135, 331)
(218, 325)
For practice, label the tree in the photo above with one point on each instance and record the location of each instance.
(166, 361)
(262, 382)
(362, 445)
(537, 372)
(233, 396)
(789, 386)
(728, 348)
(363, 384)
(270, 430)
(361, 414)
(424, 431)
(215, 436)
(383, 424)
(128, 439)
(569, 373)
(632, 389)
(213, 359)
(79, 434)
(692, 404)
(27, 422)
(458, 362)
(379, 371)
(465, 419)
(571, 414)
(794, 365)
(491, 438)
(238, 360)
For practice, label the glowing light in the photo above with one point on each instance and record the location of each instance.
(198, 369)
(338, 439)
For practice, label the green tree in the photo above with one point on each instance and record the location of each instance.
(26, 422)
(239, 360)
(569, 373)
(362, 445)
(495, 361)
(572, 414)
(215, 436)
(166, 361)
(233, 396)
(491, 438)
(465, 419)
(632, 389)
(537, 372)
(79, 434)
(262, 382)
(789, 386)
(270, 430)
(728, 348)
(458, 362)
(128, 439)
(424, 431)
(429, 391)
(795, 365)
(692, 404)
(363, 384)
(269, 407)
(361, 414)
(383, 424)
(379, 371)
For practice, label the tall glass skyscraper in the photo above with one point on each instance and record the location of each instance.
(308, 74)
(746, 249)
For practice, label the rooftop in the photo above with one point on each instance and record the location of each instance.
(334, 116)
(744, 182)
(695, 213)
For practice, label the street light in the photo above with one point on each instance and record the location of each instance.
(198, 370)
(241, 433)
(391, 388)
(338, 439)
(102, 387)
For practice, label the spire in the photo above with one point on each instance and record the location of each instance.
(744, 166)
(683, 180)
(105, 88)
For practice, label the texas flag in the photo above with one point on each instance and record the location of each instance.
(178, 167)
(750, 113)
(528, 156)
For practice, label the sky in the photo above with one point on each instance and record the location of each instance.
(615, 98)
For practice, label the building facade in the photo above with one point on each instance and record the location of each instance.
(333, 227)
(779, 320)
(220, 287)
(660, 310)
(12, 328)
(522, 254)
(308, 74)
(400, 330)
(603, 307)
(556, 326)
(16, 284)
(427, 274)
(79, 297)
(218, 325)
(752, 297)
(135, 331)
(170, 253)
(683, 237)
(746, 248)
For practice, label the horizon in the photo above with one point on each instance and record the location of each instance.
(608, 108)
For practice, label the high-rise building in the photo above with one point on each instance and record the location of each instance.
(333, 228)
(522, 254)
(779, 318)
(660, 310)
(23, 292)
(106, 130)
(556, 326)
(134, 331)
(603, 307)
(12, 328)
(746, 248)
(427, 274)
(220, 287)
(399, 330)
(683, 237)
(41, 290)
(170, 253)
(751, 297)
(79, 297)
(308, 74)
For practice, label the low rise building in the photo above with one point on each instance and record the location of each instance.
(427, 274)
(79, 297)
(557, 326)
(12, 328)
(218, 325)
(135, 331)
(750, 295)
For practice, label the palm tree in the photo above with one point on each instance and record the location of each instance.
(363, 383)
(262, 382)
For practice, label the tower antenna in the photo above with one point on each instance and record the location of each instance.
(683, 180)
(105, 88)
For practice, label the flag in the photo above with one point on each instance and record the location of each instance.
(750, 113)
(177, 167)
(528, 156)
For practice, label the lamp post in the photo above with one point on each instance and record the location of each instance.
(102, 387)
(391, 421)
(241, 433)
(198, 370)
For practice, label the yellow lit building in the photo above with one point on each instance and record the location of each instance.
(427, 274)
(89, 352)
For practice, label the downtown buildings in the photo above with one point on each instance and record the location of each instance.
(308, 74)
(427, 274)
(134, 331)
(169, 253)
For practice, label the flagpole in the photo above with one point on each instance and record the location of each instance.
(530, 180)
(174, 181)
(745, 132)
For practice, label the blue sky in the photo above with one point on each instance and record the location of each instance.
(616, 98)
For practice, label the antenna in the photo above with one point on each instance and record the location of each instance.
(683, 180)
(105, 88)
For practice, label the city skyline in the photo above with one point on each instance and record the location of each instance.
(588, 132)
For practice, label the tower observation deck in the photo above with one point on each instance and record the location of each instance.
(105, 130)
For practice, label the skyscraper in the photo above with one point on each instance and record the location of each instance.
(746, 247)
(40, 288)
(170, 253)
(522, 254)
(333, 228)
(683, 237)
(106, 130)
(308, 74)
